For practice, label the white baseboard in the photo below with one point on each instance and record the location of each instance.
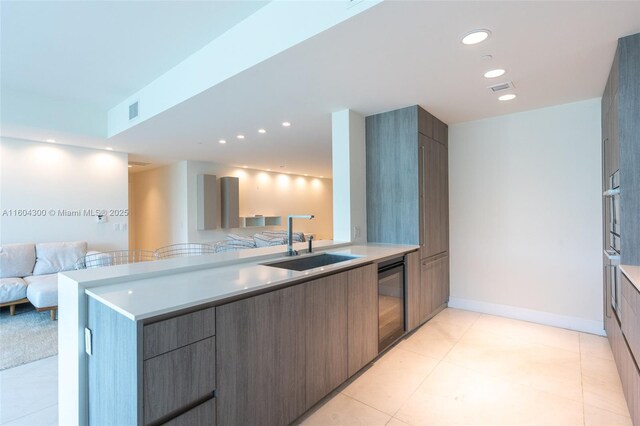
(540, 317)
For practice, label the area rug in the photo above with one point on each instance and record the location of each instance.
(27, 336)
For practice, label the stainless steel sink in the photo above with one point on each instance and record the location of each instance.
(310, 262)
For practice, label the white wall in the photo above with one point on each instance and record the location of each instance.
(174, 189)
(158, 206)
(53, 177)
(349, 176)
(525, 212)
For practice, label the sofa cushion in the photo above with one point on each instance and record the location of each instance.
(12, 289)
(17, 260)
(268, 241)
(42, 290)
(56, 257)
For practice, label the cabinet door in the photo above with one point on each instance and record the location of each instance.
(434, 289)
(176, 379)
(326, 335)
(362, 296)
(435, 204)
(260, 359)
(440, 286)
(412, 270)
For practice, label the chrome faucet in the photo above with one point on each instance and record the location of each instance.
(290, 250)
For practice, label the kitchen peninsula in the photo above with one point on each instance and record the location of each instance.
(222, 337)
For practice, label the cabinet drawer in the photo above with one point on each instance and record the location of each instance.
(178, 378)
(631, 316)
(203, 414)
(173, 333)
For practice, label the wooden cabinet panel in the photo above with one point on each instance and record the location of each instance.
(178, 378)
(326, 335)
(435, 199)
(412, 270)
(434, 285)
(173, 333)
(362, 298)
(113, 367)
(627, 370)
(631, 316)
(261, 359)
(201, 415)
(425, 123)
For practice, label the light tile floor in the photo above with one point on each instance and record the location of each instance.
(459, 368)
(29, 394)
(467, 368)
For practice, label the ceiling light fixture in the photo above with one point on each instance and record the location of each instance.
(507, 97)
(286, 124)
(245, 166)
(268, 170)
(494, 73)
(262, 131)
(321, 177)
(475, 37)
(109, 148)
(222, 141)
(240, 136)
(50, 140)
(130, 166)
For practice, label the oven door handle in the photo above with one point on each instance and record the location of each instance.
(611, 192)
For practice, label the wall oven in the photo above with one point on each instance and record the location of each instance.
(391, 303)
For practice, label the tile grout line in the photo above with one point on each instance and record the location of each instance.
(584, 420)
(28, 414)
(437, 364)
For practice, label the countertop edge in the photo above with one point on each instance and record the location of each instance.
(633, 274)
(228, 297)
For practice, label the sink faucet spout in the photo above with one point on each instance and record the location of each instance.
(290, 250)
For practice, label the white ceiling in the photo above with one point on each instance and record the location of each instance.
(393, 55)
(99, 52)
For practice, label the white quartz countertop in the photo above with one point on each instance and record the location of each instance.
(141, 298)
(633, 273)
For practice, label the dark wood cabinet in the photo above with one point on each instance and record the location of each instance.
(621, 151)
(434, 291)
(260, 359)
(412, 268)
(326, 335)
(408, 196)
(178, 378)
(362, 297)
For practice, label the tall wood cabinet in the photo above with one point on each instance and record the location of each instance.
(621, 151)
(408, 198)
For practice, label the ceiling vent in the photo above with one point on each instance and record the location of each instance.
(501, 87)
(138, 163)
(133, 110)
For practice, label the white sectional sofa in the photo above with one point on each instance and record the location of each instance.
(29, 272)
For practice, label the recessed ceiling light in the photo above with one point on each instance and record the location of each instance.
(268, 170)
(475, 37)
(50, 140)
(306, 174)
(109, 148)
(240, 136)
(321, 177)
(222, 141)
(130, 166)
(507, 97)
(286, 124)
(494, 73)
(262, 131)
(245, 166)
